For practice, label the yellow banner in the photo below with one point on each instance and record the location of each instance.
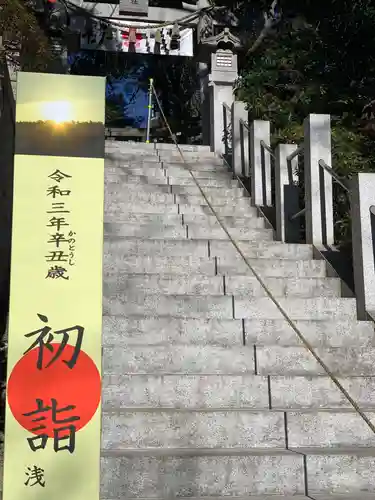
(52, 430)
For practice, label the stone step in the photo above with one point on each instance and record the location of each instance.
(159, 146)
(224, 307)
(228, 221)
(240, 210)
(123, 187)
(167, 205)
(243, 286)
(183, 147)
(248, 286)
(164, 284)
(116, 189)
(184, 391)
(164, 219)
(338, 332)
(234, 391)
(179, 306)
(151, 230)
(155, 247)
(137, 330)
(180, 219)
(191, 231)
(319, 392)
(338, 428)
(365, 496)
(262, 249)
(151, 167)
(183, 185)
(115, 199)
(166, 330)
(211, 232)
(210, 266)
(205, 182)
(216, 195)
(184, 172)
(144, 207)
(235, 265)
(192, 190)
(147, 168)
(343, 361)
(133, 264)
(117, 195)
(126, 151)
(181, 173)
(212, 167)
(340, 471)
(115, 154)
(188, 474)
(223, 179)
(190, 156)
(126, 147)
(185, 359)
(127, 429)
(125, 206)
(129, 145)
(157, 177)
(116, 179)
(216, 201)
(296, 308)
(186, 151)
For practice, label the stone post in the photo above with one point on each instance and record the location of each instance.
(221, 80)
(240, 140)
(363, 227)
(286, 194)
(318, 182)
(205, 102)
(260, 162)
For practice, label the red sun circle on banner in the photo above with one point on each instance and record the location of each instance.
(79, 387)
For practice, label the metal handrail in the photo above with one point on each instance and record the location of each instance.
(269, 294)
(298, 214)
(245, 124)
(323, 165)
(330, 170)
(227, 108)
(267, 148)
(227, 123)
(295, 153)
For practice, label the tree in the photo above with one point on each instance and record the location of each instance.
(25, 43)
(319, 57)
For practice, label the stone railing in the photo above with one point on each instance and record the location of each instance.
(274, 183)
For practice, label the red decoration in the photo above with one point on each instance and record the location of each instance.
(79, 387)
(125, 35)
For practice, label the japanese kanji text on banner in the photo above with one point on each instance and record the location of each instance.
(52, 431)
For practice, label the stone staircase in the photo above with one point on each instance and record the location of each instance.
(207, 391)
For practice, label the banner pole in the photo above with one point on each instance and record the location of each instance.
(149, 110)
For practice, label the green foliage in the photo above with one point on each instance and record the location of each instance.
(20, 28)
(320, 59)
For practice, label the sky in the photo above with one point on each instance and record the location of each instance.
(60, 97)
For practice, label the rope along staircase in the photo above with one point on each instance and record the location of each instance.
(232, 364)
